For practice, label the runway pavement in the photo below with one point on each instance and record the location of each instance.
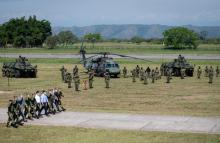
(122, 121)
(147, 56)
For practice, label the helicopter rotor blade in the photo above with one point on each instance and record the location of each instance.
(126, 56)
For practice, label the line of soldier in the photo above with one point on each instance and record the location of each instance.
(208, 72)
(22, 108)
(144, 75)
(68, 78)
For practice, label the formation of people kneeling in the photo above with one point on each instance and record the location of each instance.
(33, 106)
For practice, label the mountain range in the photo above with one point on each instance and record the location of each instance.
(128, 31)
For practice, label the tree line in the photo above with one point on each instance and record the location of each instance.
(27, 33)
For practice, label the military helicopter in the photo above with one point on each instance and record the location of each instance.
(101, 62)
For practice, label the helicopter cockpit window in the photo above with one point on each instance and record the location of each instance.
(108, 65)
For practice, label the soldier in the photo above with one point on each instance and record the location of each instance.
(145, 78)
(157, 73)
(59, 94)
(211, 74)
(217, 71)
(62, 72)
(162, 70)
(182, 73)
(133, 74)
(21, 107)
(91, 78)
(168, 73)
(107, 78)
(137, 71)
(125, 72)
(153, 75)
(33, 106)
(28, 107)
(11, 112)
(76, 82)
(206, 71)
(148, 70)
(199, 72)
(69, 79)
(141, 74)
(65, 73)
(75, 70)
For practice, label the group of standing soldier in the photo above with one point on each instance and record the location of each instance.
(138, 72)
(68, 78)
(22, 108)
(208, 72)
(143, 75)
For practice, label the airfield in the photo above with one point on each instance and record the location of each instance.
(185, 110)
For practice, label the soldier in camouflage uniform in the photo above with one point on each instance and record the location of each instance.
(62, 72)
(69, 79)
(145, 78)
(206, 71)
(141, 74)
(182, 73)
(199, 72)
(137, 71)
(133, 74)
(217, 71)
(211, 74)
(11, 112)
(157, 73)
(28, 107)
(169, 75)
(65, 73)
(125, 72)
(91, 78)
(153, 76)
(76, 82)
(107, 78)
(59, 94)
(75, 71)
(148, 70)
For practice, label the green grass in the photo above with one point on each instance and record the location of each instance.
(43, 134)
(182, 97)
(122, 48)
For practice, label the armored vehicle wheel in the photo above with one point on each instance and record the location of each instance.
(17, 74)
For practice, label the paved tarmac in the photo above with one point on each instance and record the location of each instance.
(147, 56)
(121, 121)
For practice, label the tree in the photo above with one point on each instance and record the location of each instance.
(67, 37)
(137, 39)
(180, 38)
(51, 41)
(93, 37)
(203, 35)
(21, 32)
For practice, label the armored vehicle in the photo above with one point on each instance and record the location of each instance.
(177, 65)
(20, 68)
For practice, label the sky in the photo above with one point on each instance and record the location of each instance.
(96, 12)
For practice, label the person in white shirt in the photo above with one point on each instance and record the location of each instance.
(38, 106)
(44, 102)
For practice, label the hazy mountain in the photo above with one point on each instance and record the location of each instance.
(130, 30)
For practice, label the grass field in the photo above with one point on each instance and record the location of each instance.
(182, 97)
(43, 134)
(122, 48)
